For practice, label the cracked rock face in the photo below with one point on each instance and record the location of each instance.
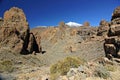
(115, 23)
(15, 32)
(103, 28)
(116, 13)
(112, 43)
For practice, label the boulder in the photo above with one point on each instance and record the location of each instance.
(115, 21)
(114, 30)
(110, 40)
(110, 49)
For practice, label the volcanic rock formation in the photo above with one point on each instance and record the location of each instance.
(15, 33)
(112, 43)
(103, 28)
(86, 24)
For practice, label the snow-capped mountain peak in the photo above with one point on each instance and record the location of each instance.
(73, 24)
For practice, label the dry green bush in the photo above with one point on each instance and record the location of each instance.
(110, 67)
(6, 66)
(101, 72)
(62, 67)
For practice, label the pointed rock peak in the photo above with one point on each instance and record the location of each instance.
(116, 13)
(86, 24)
(62, 23)
(14, 14)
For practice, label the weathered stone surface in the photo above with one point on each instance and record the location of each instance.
(112, 43)
(116, 13)
(115, 23)
(87, 31)
(15, 34)
(110, 40)
(114, 30)
(110, 49)
(86, 24)
(103, 28)
(15, 30)
(112, 46)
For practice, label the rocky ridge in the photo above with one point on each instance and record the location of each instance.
(57, 43)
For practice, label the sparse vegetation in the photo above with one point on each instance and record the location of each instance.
(110, 67)
(6, 66)
(62, 67)
(101, 72)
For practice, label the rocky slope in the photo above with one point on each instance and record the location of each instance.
(49, 45)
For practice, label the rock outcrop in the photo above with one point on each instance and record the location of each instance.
(116, 13)
(112, 43)
(86, 24)
(115, 23)
(15, 33)
(103, 28)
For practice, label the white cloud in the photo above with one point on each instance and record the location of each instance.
(73, 24)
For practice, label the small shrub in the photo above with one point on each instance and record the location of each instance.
(62, 67)
(6, 66)
(110, 67)
(101, 72)
(54, 76)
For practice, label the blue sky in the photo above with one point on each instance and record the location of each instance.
(51, 12)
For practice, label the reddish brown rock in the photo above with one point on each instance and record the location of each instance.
(112, 43)
(87, 31)
(62, 26)
(110, 49)
(86, 24)
(103, 28)
(114, 30)
(116, 13)
(15, 34)
(115, 23)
